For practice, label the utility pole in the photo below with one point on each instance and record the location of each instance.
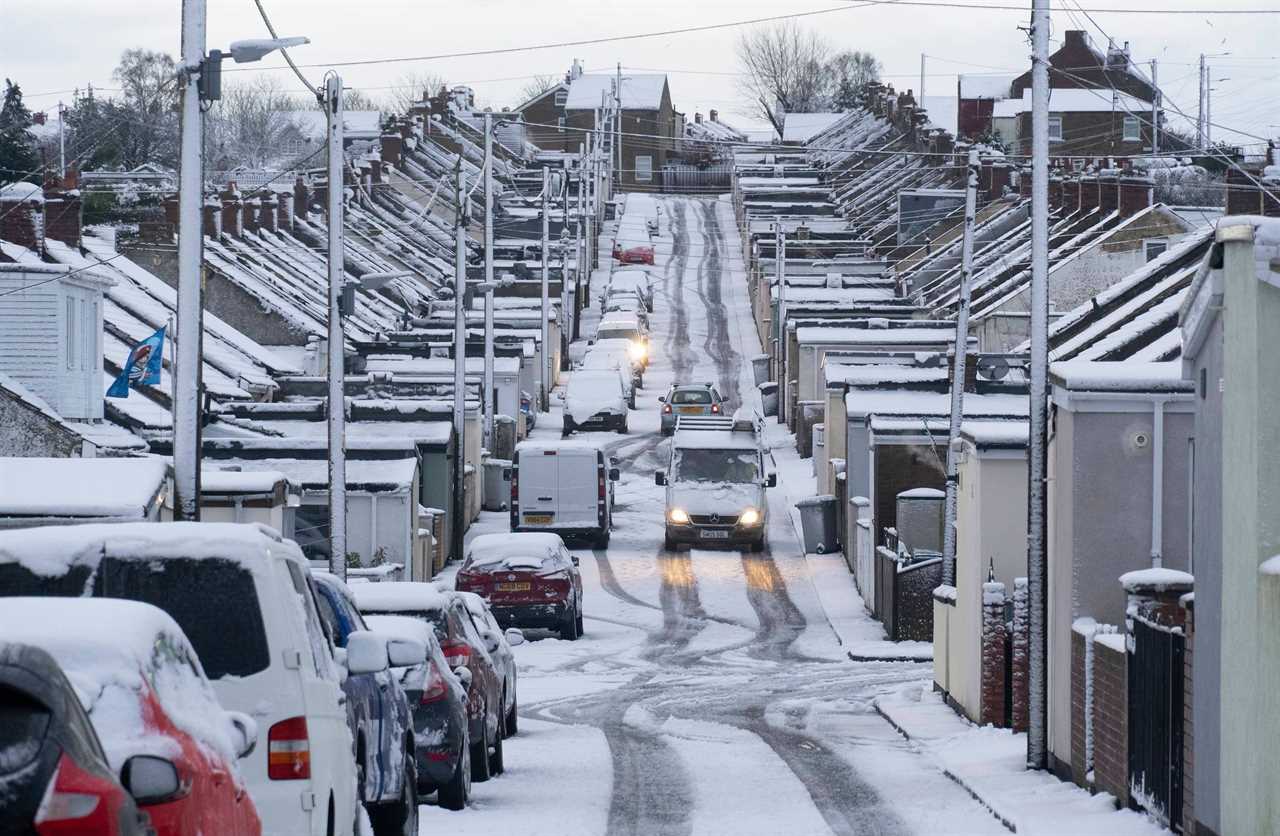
(186, 408)
(337, 370)
(487, 173)
(1200, 139)
(958, 372)
(1037, 512)
(62, 142)
(780, 271)
(920, 101)
(617, 124)
(581, 246)
(459, 358)
(1155, 110)
(546, 289)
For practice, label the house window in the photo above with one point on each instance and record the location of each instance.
(560, 124)
(562, 98)
(1132, 129)
(1055, 128)
(1155, 247)
(644, 169)
(71, 333)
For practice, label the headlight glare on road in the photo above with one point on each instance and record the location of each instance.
(678, 516)
(749, 517)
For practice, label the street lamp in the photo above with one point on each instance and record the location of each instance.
(199, 80)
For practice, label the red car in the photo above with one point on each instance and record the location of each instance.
(528, 578)
(633, 255)
(146, 694)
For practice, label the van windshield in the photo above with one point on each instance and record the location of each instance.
(736, 466)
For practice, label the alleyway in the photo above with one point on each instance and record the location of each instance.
(709, 694)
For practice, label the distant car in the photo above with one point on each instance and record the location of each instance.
(528, 580)
(628, 303)
(499, 643)
(689, 399)
(155, 713)
(377, 712)
(280, 667)
(528, 410)
(626, 329)
(565, 488)
(57, 780)
(594, 400)
(631, 280)
(439, 703)
(641, 254)
(463, 648)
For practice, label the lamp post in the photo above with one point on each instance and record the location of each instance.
(199, 80)
(487, 174)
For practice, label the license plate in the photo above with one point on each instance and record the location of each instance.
(538, 519)
(713, 535)
(690, 410)
(511, 587)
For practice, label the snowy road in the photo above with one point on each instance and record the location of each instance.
(709, 694)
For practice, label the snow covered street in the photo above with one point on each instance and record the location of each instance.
(709, 695)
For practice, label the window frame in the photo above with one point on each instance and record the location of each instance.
(561, 97)
(1056, 119)
(1131, 122)
(648, 178)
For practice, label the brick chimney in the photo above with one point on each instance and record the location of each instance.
(232, 212)
(1136, 194)
(1055, 191)
(301, 198)
(249, 214)
(1024, 182)
(284, 211)
(392, 148)
(171, 210)
(1108, 193)
(1090, 195)
(697, 118)
(1071, 195)
(714, 115)
(63, 213)
(212, 216)
(21, 215)
(1245, 197)
(1001, 176)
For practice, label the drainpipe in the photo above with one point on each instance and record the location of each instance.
(1157, 482)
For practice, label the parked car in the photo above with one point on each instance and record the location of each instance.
(528, 410)
(689, 399)
(716, 480)
(594, 400)
(56, 777)
(154, 711)
(632, 280)
(377, 711)
(439, 703)
(565, 488)
(280, 668)
(528, 579)
(463, 648)
(640, 254)
(626, 303)
(499, 643)
(628, 335)
(616, 358)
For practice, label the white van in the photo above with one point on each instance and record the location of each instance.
(243, 596)
(563, 487)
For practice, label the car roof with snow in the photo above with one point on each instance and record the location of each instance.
(534, 446)
(399, 596)
(594, 378)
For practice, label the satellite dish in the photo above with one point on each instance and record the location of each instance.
(992, 368)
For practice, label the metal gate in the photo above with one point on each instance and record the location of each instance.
(1155, 720)
(683, 178)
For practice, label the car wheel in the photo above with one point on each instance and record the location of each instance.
(581, 631)
(602, 540)
(496, 765)
(480, 754)
(399, 818)
(454, 794)
(569, 626)
(669, 545)
(758, 546)
(513, 719)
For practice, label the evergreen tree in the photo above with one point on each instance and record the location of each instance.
(18, 159)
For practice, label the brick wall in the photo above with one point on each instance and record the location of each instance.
(991, 708)
(1111, 720)
(1079, 698)
(1021, 646)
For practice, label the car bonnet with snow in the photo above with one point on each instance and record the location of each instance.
(409, 598)
(517, 568)
(591, 393)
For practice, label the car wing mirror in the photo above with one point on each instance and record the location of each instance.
(404, 653)
(246, 732)
(771, 481)
(492, 642)
(659, 478)
(662, 399)
(515, 636)
(577, 561)
(464, 676)
(614, 474)
(152, 780)
(366, 652)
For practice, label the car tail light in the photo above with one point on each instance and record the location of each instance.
(667, 409)
(68, 797)
(715, 409)
(458, 653)
(601, 482)
(435, 688)
(289, 750)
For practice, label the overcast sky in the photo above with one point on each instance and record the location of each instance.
(49, 46)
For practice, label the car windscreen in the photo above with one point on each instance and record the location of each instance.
(435, 618)
(736, 466)
(23, 723)
(617, 334)
(691, 396)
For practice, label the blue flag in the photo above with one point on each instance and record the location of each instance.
(143, 365)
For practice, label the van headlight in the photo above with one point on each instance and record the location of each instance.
(749, 517)
(678, 516)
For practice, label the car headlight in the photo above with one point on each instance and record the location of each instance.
(678, 516)
(638, 351)
(749, 517)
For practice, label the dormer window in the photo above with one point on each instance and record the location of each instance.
(562, 97)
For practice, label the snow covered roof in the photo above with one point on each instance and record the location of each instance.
(985, 86)
(1075, 100)
(363, 475)
(864, 402)
(996, 434)
(944, 112)
(801, 127)
(398, 596)
(1124, 376)
(533, 446)
(640, 91)
(850, 335)
(356, 124)
(216, 481)
(106, 489)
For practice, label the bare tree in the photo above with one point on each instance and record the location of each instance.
(851, 71)
(248, 124)
(785, 69)
(148, 83)
(353, 98)
(537, 85)
(410, 89)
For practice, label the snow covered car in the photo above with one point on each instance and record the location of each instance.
(640, 254)
(594, 400)
(155, 713)
(688, 399)
(528, 410)
(439, 703)
(627, 303)
(57, 780)
(280, 668)
(631, 280)
(565, 488)
(463, 648)
(377, 709)
(615, 355)
(716, 482)
(529, 580)
(499, 643)
(626, 328)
